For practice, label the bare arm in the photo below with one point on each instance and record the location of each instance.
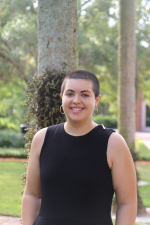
(124, 179)
(31, 200)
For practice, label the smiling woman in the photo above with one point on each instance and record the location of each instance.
(75, 167)
(80, 93)
(78, 102)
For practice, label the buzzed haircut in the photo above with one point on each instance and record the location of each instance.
(85, 75)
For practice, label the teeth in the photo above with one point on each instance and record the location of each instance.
(75, 109)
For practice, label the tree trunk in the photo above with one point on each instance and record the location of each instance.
(126, 76)
(57, 55)
(126, 118)
(57, 36)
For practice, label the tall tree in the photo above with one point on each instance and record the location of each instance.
(126, 112)
(127, 70)
(57, 55)
(57, 36)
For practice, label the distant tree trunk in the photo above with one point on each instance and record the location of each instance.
(127, 67)
(57, 36)
(127, 71)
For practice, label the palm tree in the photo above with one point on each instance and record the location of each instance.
(126, 76)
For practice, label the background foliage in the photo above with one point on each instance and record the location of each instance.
(98, 46)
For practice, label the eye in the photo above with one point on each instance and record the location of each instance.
(69, 94)
(84, 95)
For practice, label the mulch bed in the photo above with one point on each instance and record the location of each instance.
(13, 159)
(25, 160)
(142, 162)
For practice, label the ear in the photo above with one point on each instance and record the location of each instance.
(97, 100)
(61, 95)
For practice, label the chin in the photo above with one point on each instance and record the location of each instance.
(77, 119)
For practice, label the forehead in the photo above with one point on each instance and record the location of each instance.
(79, 84)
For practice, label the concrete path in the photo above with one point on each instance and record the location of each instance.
(145, 137)
(7, 220)
(142, 135)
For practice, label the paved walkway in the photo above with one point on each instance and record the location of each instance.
(142, 135)
(7, 220)
(145, 137)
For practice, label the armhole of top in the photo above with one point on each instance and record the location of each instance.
(43, 143)
(110, 132)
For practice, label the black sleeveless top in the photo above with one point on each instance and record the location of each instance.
(76, 180)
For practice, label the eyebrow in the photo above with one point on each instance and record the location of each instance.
(80, 91)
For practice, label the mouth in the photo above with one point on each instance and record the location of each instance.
(76, 109)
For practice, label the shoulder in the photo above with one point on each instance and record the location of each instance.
(40, 136)
(117, 149)
(116, 140)
(106, 132)
(37, 141)
(117, 143)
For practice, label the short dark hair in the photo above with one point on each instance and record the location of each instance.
(83, 74)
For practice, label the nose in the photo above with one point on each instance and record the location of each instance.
(76, 99)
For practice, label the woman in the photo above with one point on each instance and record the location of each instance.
(75, 167)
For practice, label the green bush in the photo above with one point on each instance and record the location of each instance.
(5, 123)
(11, 138)
(109, 121)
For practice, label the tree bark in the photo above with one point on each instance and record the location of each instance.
(127, 68)
(126, 76)
(57, 36)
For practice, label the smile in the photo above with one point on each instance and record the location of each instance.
(77, 109)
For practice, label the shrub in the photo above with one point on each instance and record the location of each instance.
(11, 138)
(10, 152)
(5, 123)
(109, 121)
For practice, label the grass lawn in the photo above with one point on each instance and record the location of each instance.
(11, 188)
(144, 172)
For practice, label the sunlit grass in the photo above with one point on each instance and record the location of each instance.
(10, 188)
(144, 171)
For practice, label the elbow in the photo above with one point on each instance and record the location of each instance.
(31, 195)
(129, 208)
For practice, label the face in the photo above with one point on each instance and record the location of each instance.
(78, 99)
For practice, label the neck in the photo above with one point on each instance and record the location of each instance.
(79, 128)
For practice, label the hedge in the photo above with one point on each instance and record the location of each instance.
(109, 121)
(12, 152)
(11, 138)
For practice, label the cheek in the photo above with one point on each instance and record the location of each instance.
(66, 101)
(89, 101)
